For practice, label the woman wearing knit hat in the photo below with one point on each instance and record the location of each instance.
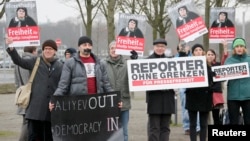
(238, 95)
(199, 101)
(69, 52)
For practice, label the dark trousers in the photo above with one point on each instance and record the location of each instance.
(203, 125)
(39, 130)
(159, 127)
(216, 116)
(24, 130)
(234, 111)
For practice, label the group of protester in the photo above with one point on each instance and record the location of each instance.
(82, 73)
(199, 101)
(55, 77)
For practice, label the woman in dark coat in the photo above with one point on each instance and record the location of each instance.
(199, 100)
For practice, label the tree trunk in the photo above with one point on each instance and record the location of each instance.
(207, 16)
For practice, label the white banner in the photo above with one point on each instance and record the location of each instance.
(228, 72)
(167, 73)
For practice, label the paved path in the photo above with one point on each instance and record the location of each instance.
(11, 123)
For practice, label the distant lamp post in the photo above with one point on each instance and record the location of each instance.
(244, 16)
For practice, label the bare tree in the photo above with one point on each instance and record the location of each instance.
(88, 10)
(129, 6)
(108, 8)
(155, 10)
(89, 6)
(2, 3)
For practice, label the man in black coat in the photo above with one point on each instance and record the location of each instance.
(44, 85)
(160, 103)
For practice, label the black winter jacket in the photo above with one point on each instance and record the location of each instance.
(200, 99)
(160, 101)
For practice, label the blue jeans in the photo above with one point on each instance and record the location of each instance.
(184, 112)
(125, 119)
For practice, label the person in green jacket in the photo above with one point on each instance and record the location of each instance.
(238, 95)
(116, 66)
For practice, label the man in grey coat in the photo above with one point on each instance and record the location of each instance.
(44, 85)
(21, 78)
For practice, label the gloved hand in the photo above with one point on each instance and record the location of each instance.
(134, 54)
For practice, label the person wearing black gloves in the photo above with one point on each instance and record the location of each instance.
(134, 55)
(184, 51)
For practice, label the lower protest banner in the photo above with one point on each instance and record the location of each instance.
(87, 117)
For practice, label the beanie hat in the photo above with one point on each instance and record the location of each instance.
(160, 41)
(239, 41)
(50, 43)
(70, 50)
(197, 45)
(84, 39)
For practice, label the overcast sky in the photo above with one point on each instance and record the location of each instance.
(55, 10)
(52, 10)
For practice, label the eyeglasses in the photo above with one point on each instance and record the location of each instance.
(160, 46)
(48, 48)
